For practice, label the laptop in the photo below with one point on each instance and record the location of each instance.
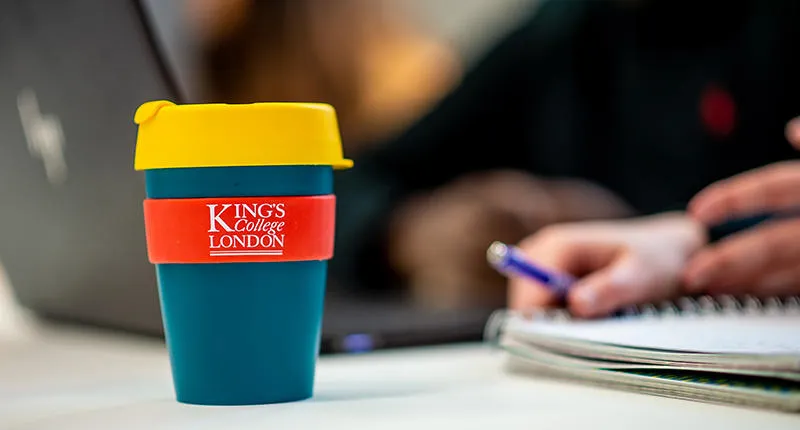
(72, 237)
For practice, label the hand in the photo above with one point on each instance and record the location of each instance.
(438, 241)
(764, 260)
(619, 263)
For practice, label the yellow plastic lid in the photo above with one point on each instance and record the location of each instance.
(219, 135)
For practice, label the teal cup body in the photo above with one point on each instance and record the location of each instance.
(242, 333)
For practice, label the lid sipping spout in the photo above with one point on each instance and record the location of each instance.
(149, 110)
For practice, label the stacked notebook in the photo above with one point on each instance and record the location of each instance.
(721, 350)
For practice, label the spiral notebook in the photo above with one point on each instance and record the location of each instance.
(716, 349)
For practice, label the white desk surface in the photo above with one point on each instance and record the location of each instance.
(56, 378)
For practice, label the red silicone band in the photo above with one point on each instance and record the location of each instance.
(237, 230)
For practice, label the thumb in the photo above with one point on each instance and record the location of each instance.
(625, 282)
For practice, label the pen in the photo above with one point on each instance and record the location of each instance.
(733, 226)
(510, 261)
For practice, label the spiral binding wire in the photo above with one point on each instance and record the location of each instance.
(685, 306)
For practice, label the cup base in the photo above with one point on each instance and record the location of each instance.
(255, 401)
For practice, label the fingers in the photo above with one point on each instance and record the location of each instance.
(557, 252)
(746, 258)
(627, 281)
(618, 264)
(602, 292)
(769, 188)
(780, 283)
(526, 294)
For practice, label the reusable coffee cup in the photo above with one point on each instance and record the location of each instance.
(239, 221)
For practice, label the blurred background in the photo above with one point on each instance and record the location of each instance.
(381, 63)
(469, 121)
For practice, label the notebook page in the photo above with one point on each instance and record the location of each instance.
(724, 334)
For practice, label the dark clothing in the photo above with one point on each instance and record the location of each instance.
(653, 100)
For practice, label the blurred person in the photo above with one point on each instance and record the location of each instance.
(590, 110)
(365, 57)
(660, 257)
